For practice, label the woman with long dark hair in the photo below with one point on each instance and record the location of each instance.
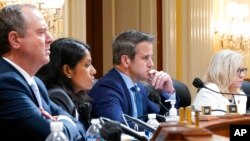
(68, 76)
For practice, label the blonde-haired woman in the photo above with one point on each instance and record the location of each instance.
(224, 75)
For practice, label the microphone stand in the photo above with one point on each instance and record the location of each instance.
(125, 129)
(153, 96)
(145, 125)
(199, 84)
(223, 93)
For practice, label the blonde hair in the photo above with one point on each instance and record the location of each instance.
(223, 69)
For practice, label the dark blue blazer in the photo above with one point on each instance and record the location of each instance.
(20, 117)
(111, 98)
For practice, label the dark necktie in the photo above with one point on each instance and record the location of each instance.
(138, 101)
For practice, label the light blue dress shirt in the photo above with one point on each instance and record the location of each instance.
(129, 83)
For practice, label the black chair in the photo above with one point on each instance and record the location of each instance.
(183, 92)
(246, 88)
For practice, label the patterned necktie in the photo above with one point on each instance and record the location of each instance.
(138, 101)
(37, 93)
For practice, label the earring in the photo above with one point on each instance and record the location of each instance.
(69, 76)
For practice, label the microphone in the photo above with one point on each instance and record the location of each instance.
(199, 84)
(125, 129)
(156, 98)
(141, 123)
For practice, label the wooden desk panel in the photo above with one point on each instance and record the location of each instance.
(209, 130)
(221, 126)
(175, 131)
(214, 137)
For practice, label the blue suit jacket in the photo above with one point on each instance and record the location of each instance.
(20, 117)
(111, 98)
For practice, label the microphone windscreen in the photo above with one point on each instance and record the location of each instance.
(198, 83)
(155, 97)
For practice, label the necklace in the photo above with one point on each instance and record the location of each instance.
(232, 101)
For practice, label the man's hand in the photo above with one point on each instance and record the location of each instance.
(161, 80)
(47, 115)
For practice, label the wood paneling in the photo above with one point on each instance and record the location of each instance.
(94, 33)
(159, 35)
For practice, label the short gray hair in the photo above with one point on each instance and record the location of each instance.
(125, 43)
(11, 19)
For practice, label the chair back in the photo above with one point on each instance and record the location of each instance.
(246, 88)
(183, 92)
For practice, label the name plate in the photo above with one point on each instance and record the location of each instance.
(232, 109)
(206, 110)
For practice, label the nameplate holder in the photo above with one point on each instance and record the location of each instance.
(206, 110)
(232, 109)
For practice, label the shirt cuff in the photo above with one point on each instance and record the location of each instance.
(170, 96)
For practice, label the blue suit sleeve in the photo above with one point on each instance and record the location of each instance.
(21, 115)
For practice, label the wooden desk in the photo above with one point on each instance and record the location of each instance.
(221, 126)
(209, 130)
(207, 138)
(169, 131)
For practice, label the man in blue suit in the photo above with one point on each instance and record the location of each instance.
(26, 113)
(118, 91)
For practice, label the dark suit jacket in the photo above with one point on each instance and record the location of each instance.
(111, 98)
(62, 99)
(20, 117)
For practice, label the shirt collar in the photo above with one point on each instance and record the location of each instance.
(128, 81)
(26, 76)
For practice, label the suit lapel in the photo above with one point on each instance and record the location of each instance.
(118, 77)
(6, 65)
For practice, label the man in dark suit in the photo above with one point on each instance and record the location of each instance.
(120, 91)
(26, 113)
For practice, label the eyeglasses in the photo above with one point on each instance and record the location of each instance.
(242, 70)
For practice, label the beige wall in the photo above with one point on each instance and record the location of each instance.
(118, 15)
(74, 14)
(121, 15)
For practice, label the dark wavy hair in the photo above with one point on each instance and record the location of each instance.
(67, 51)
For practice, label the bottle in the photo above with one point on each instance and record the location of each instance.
(93, 132)
(172, 112)
(56, 134)
(152, 122)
